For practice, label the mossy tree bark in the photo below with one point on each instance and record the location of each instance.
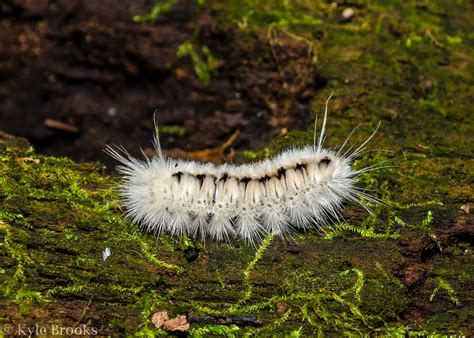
(409, 269)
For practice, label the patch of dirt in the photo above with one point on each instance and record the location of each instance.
(77, 75)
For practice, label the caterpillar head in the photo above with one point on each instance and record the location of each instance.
(326, 165)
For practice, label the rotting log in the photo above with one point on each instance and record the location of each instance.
(409, 64)
(57, 217)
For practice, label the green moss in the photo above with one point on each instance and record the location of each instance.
(443, 285)
(56, 218)
(172, 130)
(328, 303)
(404, 63)
(444, 320)
(161, 7)
(255, 15)
(149, 303)
(204, 66)
(204, 62)
(340, 230)
(220, 330)
(247, 282)
(25, 298)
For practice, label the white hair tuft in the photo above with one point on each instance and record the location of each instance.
(298, 188)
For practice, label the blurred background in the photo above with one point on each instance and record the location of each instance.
(76, 75)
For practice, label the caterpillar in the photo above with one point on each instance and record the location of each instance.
(299, 188)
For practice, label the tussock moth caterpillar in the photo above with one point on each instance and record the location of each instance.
(296, 189)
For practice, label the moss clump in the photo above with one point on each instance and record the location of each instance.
(56, 218)
(158, 9)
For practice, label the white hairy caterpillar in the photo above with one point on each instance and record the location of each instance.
(299, 188)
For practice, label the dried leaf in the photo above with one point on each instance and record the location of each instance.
(465, 208)
(217, 155)
(177, 324)
(281, 308)
(159, 318)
